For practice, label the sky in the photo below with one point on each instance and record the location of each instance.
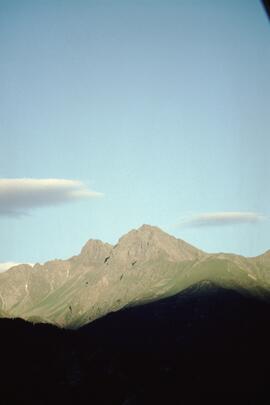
(118, 113)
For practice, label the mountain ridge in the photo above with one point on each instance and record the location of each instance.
(146, 264)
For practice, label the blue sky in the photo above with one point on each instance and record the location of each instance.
(161, 106)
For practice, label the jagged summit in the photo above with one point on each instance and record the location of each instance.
(264, 257)
(266, 254)
(92, 245)
(149, 228)
(149, 242)
(145, 265)
(95, 250)
(143, 230)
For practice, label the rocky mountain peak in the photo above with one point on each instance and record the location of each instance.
(95, 250)
(144, 232)
(149, 242)
(149, 229)
(267, 253)
(146, 264)
(265, 257)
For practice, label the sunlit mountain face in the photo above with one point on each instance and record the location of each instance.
(151, 320)
(204, 343)
(144, 266)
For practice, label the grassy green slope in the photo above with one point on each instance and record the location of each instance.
(159, 279)
(227, 272)
(82, 299)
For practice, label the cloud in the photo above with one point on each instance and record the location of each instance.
(221, 219)
(19, 196)
(7, 265)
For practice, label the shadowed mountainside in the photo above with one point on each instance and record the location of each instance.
(145, 265)
(206, 343)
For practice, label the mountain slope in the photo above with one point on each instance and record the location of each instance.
(145, 265)
(205, 343)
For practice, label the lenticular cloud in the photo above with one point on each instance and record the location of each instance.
(19, 196)
(222, 218)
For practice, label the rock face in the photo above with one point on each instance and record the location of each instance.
(145, 265)
(95, 251)
(149, 242)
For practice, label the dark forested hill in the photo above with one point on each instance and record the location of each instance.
(205, 343)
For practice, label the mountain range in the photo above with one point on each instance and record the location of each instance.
(146, 265)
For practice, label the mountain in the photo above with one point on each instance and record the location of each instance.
(144, 266)
(150, 320)
(207, 344)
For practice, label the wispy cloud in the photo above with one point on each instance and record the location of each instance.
(221, 219)
(19, 196)
(7, 265)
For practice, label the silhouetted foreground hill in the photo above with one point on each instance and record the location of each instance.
(205, 343)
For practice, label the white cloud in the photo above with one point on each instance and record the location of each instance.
(221, 219)
(7, 265)
(19, 196)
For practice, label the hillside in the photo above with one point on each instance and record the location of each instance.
(145, 265)
(205, 345)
